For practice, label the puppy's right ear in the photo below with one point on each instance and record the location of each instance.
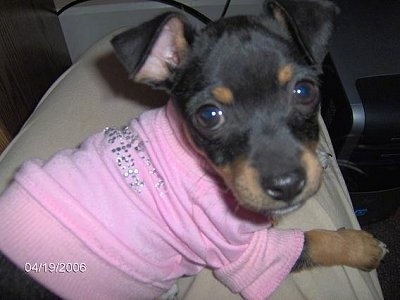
(152, 51)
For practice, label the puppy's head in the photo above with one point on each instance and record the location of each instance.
(247, 89)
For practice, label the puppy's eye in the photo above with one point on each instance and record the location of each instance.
(210, 117)
(305, 93)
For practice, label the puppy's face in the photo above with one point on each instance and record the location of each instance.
(249, 98)
(250, 105)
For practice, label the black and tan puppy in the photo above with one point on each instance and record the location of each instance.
(247, 88)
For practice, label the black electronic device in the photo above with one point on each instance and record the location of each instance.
(361, 104)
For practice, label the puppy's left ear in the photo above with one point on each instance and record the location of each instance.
(309, 22)
(152, 51)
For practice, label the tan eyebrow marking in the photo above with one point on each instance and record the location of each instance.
(285, 74)
(222, 94)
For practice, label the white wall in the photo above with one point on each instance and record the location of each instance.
(85, 24)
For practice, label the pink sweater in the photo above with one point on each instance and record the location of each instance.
(131, 211)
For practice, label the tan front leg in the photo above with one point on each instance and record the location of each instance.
(354, 248)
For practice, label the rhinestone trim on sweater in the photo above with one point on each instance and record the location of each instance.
(127, 146)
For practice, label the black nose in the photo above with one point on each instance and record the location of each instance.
(285, 187)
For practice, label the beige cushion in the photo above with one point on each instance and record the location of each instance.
(95, 93)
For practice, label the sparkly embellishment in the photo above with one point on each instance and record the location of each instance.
(126, 145)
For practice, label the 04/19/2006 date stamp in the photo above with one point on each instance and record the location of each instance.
(57, 267)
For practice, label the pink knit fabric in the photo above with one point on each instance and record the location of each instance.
(138, 209)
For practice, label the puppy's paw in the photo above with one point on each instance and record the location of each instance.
(360, 249)
(353, 248)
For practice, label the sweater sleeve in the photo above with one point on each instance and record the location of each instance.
(248, 255)
(265, 263)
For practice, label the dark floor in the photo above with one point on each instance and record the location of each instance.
(388, 231)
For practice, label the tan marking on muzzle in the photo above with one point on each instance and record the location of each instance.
(314, 170)
(222, 94)
(244, 182)
(312, 146)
